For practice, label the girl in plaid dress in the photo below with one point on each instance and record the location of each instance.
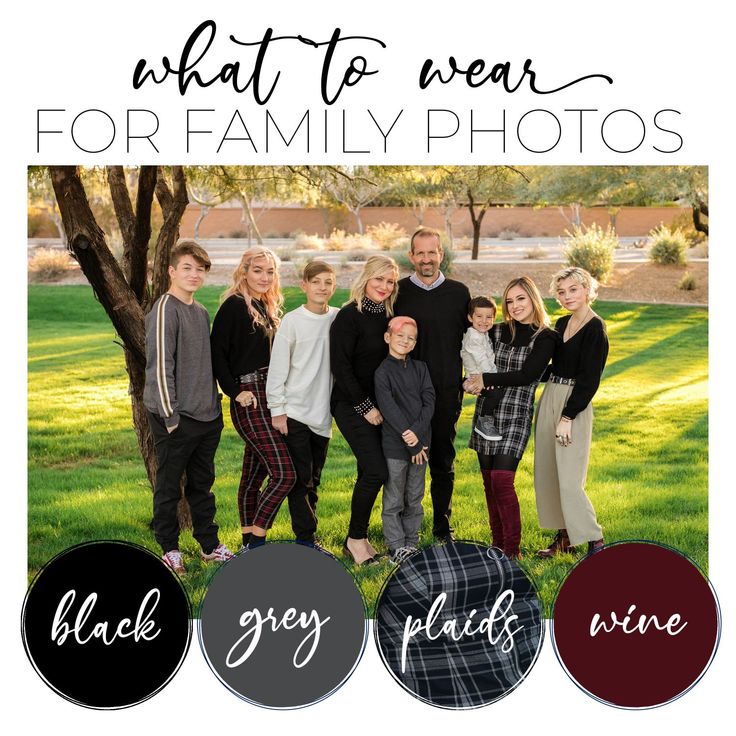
(242, 333)
(523, 344)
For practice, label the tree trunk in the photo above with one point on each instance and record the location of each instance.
(203, 212)
(123, 307)
(173, 205)
(700, 209)
(248, 216)
(477, 220)
(358, 221)
(576, 219)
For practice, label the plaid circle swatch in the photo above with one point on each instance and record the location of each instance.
(459, 625)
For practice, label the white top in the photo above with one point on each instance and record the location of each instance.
(477, 352)
(299, 378)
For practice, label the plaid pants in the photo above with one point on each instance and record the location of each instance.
(265, 454)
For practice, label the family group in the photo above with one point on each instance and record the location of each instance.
(390, 367)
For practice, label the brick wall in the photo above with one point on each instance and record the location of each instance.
(527, 221)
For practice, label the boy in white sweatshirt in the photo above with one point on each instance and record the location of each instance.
(298, 392)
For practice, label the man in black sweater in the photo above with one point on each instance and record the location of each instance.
(440, 307)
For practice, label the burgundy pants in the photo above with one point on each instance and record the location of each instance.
(503, 510)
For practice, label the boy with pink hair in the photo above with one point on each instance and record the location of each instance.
(405, 397)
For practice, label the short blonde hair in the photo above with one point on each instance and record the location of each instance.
(576, 274)
(375, 266)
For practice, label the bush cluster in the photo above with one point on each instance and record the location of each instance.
(592, 248)
(47, 264)
(667, 246)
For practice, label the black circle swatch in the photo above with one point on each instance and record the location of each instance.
(459, 625)
(106, 624)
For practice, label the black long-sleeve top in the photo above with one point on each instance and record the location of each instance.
(441, 315)
(536, 361)
(238, 346)
(582, 357)
(357, 347)
(405, 397)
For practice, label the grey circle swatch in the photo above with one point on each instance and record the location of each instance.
(459, 625)
(283, 625)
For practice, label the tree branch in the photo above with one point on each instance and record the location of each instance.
(87, 243)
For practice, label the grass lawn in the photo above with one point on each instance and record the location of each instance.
(649, 464)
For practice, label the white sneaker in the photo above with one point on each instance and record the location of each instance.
(402, 554)
(219, 554)
(173, 559)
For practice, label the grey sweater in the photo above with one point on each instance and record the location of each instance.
(405, 398)
(179, 378)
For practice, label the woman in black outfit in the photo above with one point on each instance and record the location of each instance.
(357, 348)
(523, 345)
(242, 333)
(565, 420)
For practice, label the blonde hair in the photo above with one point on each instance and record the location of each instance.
(375, 266)
(576, 274)
(540, 318)
(272, 299)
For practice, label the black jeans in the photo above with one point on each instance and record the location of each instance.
(448, 405)
(492, 400)
(308, 453)
(189, 448)
(365, 442)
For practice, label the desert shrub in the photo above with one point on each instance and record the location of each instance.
(667, 246)
(47, 264)
(388, 235)
(357, 255)
(687, 282)
(592, 249)
(509, 233)
(336, 241)
(339, 240)
(309, 242)
(286, 254)
(464, 243)
(238, 233)
(535, 254)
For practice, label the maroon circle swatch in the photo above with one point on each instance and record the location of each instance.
(636, 625)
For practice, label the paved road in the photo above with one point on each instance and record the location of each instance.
(227, 251)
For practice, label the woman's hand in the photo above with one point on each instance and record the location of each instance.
(421, 457)
(246, 399)
(410, 438)
(373, 417)
(563, 433)
(474, 384)
(279, 422)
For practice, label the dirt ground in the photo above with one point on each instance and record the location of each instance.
(635, 282)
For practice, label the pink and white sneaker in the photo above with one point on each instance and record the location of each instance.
(173, 559)
(219, 554)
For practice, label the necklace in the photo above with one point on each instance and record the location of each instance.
(372, 307)
(570, 333)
